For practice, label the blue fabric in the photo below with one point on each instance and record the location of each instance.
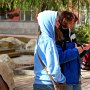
(43, 87)
(47, 50)
(74, 87)
(46, 21)
(70, 62)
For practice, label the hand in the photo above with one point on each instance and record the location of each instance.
(80, 49)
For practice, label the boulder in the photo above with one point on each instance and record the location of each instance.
(31, 44)
(7, 75)
(13, 42)
(6, 59)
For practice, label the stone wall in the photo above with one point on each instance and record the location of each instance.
(18, 28)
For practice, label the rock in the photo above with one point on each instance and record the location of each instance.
(6, 59)
(7, 75)
(31, 44)
(6, 44)
(17, 44)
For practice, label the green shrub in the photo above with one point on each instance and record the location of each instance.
(83, 34)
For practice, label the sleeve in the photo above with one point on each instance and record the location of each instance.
(67, 55)
(52, 60)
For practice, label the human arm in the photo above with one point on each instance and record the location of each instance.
(67, 55)
(52, 60)
(86, 48)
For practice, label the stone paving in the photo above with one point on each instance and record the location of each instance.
(25, 82)
(85, 80)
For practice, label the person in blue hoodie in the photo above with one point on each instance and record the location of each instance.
(47, 50)
(69, 53)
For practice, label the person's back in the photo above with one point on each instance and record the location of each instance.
(47, 51)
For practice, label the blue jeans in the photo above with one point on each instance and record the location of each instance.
(43, 87)
(74, 87)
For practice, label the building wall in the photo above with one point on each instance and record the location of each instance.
(18, 28)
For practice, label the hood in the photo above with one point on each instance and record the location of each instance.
(46, 21)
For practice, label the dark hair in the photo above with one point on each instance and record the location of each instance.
(66, 17)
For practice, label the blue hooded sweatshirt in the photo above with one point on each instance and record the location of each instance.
(47, 50)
